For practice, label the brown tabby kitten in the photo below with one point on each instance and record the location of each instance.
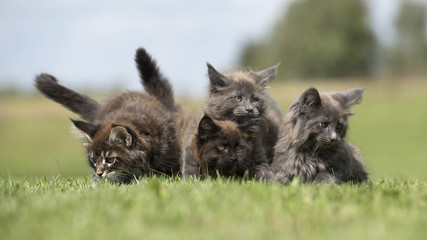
(241, 96)
(131, 135)
(225, 149)
(312, 143)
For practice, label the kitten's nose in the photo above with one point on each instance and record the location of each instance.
(233, 158)
(249, 109)
(99, 172)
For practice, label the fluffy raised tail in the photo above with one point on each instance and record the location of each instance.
(153, 81)
(78, 103)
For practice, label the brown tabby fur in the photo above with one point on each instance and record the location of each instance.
(132, 135)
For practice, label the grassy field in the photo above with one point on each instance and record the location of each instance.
(155, 208)
(46, 192)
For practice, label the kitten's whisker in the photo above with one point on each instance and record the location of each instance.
(308, 143)
(316, 147)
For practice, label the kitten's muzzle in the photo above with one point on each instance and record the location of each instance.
(333, 136)
(249, 109)
(99, 172)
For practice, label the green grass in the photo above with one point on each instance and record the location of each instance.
(36, 139)
(46, 191)
(157, 208)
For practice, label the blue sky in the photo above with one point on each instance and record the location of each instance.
(91, 44)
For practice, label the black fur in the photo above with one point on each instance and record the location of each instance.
(226, 149)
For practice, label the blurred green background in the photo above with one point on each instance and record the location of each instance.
(327, 44)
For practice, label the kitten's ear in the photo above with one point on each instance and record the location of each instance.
(216, 78)
(265, 75)
(350, 97)
(207, 127)
(119, 135)
(309, 99)
(88, 130)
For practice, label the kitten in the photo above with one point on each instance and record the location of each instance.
(225, 149)
(312, 143)
(131, 135)
(241, 96)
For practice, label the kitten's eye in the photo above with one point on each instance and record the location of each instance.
(221, 147)
(324, 124)
(254, 99)
(239, 147)
(339, 127)
(110, 160)
(238, 98)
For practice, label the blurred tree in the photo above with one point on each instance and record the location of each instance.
(408, 56)
(316, 39)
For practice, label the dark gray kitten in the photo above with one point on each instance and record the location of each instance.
(240, 96)
(312, 143)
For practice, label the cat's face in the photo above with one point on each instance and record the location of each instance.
(239, 100)
(238, 96)
(321, 119)
(225, 148)
(114, 151)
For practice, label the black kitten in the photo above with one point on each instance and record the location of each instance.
(225, 149)
(312, 143)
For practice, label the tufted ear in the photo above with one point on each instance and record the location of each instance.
(207, 127)
(309, 100)
(350, 97)
(216, 78)
(265, 75)
(119, 135)
(88, 130)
